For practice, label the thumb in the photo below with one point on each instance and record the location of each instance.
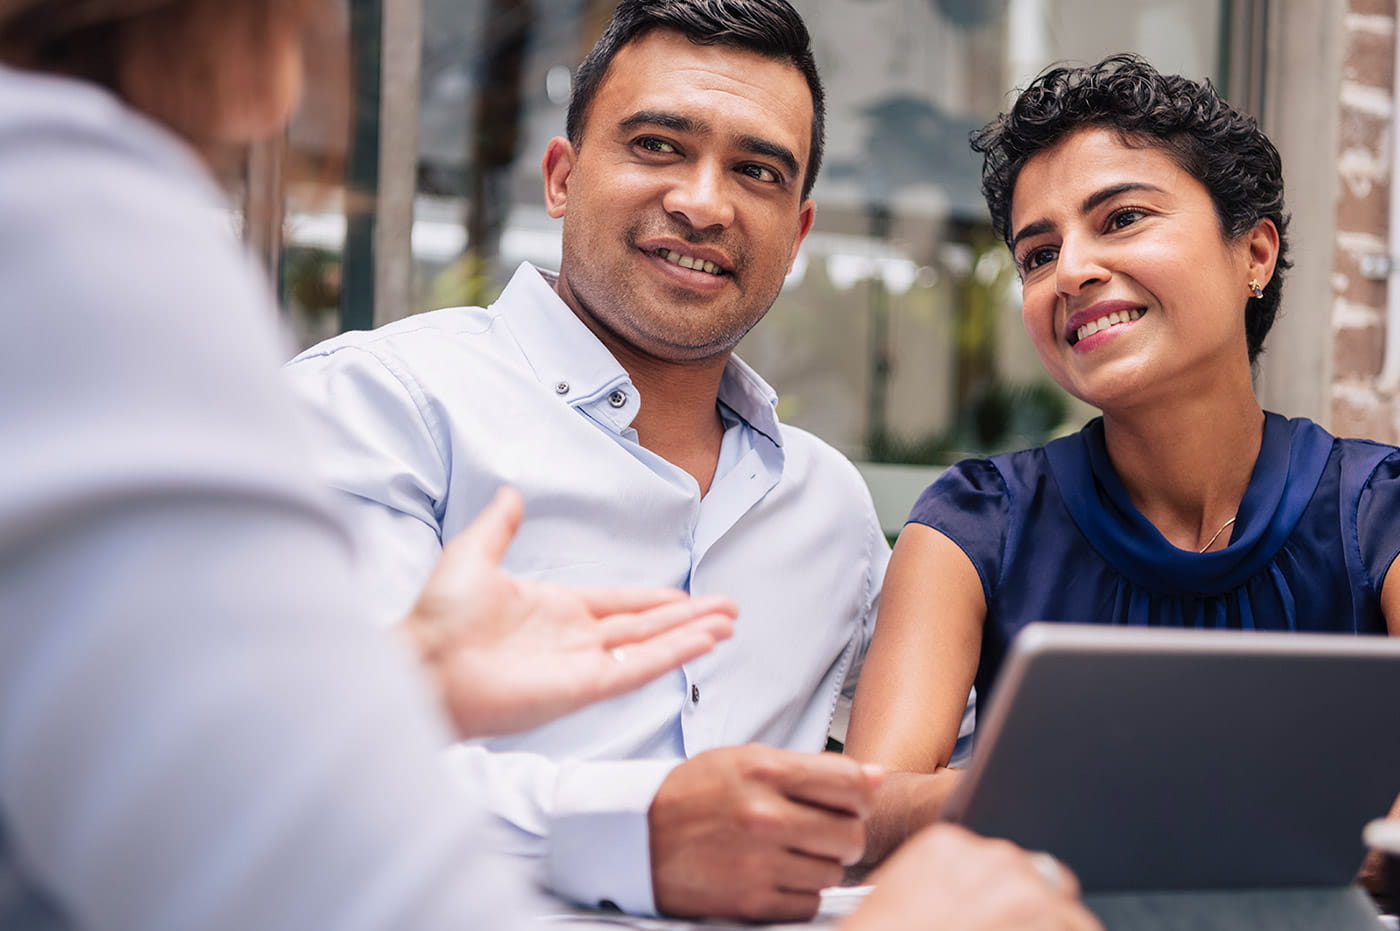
(490, 535)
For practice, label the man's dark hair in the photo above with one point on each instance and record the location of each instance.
(1210, 140)
(770, 28)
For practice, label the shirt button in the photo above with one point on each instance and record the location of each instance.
(695, 693)
(617, 399)
(561, 388)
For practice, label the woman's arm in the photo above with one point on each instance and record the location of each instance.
(1390, 602)
(915, 682)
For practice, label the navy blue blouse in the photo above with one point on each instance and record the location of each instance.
(1055, 537)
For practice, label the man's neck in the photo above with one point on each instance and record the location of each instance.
(679, 418)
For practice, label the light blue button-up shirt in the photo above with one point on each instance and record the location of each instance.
(425, 418)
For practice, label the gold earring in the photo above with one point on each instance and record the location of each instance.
(1256, 287)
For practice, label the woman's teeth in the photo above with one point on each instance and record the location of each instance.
(1103, 323)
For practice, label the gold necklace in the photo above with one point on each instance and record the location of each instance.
(1217, 534)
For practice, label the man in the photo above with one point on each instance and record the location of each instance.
(646, 453)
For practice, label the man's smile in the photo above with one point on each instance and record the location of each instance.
(688, 261)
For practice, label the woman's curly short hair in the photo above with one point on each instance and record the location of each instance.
(1209, 139)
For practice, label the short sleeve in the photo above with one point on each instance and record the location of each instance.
(969, 505)
(1376, 523)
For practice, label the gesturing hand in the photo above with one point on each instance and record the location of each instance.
(947, 877)
(509, 654)
(756, 833)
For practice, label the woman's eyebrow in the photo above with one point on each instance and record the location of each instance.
(1090, 202)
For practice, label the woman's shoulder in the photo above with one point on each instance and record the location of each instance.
(1354, 456)
(983, 491)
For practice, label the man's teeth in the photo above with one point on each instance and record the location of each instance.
(685, 261)
(1103, 323)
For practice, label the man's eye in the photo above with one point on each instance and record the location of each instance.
(652, 144)
(761, 173)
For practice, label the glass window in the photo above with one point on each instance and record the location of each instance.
(897, 337)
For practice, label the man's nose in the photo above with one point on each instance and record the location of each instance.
(701, 196)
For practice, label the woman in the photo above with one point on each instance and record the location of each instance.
(198, 727)
(1146, 219)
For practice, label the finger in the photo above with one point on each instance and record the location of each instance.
(624, 629)
(828, 780)
(489, 536)
(604, 600)
(823, 834)
(1384, 834)
(642, 662)
(801, 872)
(778, 905)
(1079, 918)
(1055, 874)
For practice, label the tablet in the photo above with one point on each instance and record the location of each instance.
(1152, 759)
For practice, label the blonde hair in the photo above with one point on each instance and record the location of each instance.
(190, 64)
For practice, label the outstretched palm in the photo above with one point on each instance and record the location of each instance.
(510, 654)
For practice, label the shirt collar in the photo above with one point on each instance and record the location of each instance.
(571, 361)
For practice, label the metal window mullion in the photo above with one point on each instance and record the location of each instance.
(401, 63)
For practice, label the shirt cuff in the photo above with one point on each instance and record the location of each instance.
(599, 850)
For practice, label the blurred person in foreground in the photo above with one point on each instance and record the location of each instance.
(198, 726)
(1146, 218)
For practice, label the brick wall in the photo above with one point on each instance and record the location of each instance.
(1360, 406)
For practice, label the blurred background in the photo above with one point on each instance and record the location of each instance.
(897, 337)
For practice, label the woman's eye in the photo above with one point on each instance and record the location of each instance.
(1125, 217)
(1037, 257)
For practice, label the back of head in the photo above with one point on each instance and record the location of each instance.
(771, 28)
(193, 65)
(1210, 140)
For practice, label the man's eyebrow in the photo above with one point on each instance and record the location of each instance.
(665, 120)
(677, 122)
(1090, 202)
(759, 146)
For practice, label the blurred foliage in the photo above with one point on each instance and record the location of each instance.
(467, 282)
(996, 417)
(312, 279)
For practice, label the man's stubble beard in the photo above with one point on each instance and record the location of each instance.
(619, 300)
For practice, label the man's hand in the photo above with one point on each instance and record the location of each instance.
(509, 654)
(756, 833)
(947, 877)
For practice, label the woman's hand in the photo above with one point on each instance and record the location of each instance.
(509, 654)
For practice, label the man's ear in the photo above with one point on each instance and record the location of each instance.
(806, 218)
(557, 165)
